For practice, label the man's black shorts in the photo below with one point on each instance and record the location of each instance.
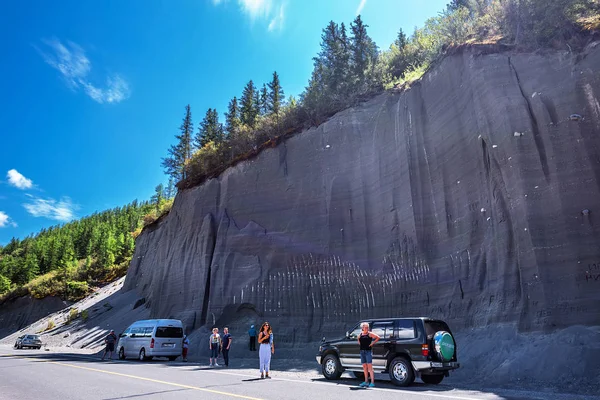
(110, 347)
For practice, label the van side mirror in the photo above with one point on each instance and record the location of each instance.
(122, 335)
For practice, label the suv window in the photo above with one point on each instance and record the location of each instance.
(405, 329)
(169, 332)
(431, 327)
(383, 329)
(355, 333)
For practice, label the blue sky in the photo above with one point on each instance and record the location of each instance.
(93, 91)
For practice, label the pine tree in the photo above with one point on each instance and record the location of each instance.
(363, 50)
(264, 100)
(334, 58)
(257, 106)
(210, 129)
(248, 114)
(401, 41)
(232, 117)
(158, 196)
(275, 95)
(313, 97)
(181, 152)
(456, 4)
(170, 191)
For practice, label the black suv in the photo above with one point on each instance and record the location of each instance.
(409, 347)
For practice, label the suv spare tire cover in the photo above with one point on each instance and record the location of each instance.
(444, 345)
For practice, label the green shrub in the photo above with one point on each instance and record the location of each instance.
(73, 313)
(84, 315)
(4, 284)
(51, 325)
(77, 290)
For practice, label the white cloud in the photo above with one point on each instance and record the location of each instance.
(277, 22)
(16, 179)
(272, 11)
(63, 210)
(256, 8)
(361, 6)
(74, 66)
(6, 221)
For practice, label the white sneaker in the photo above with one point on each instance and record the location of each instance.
(216, 365)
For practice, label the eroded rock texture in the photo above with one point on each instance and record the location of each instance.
(473, 196)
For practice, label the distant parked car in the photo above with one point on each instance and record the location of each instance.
(152, 338)
(29, 341)
(409, 348)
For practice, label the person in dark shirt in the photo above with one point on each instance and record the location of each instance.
(367, 340)
(110, 340)
(226, 340)
(252, 335)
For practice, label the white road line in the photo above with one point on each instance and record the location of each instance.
(332, 384)
(338, 385)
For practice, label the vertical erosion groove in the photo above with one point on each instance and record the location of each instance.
(539, 144)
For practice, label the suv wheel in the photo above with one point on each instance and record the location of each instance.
(122, 353)
(331, 367)
(142, 356)
(401, 372)
(432, 379)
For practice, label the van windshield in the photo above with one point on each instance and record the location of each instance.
(169, 332)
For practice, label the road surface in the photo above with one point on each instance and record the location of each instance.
(43, 375)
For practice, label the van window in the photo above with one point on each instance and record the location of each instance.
(137, 332)
(169, 332)
(148, 331)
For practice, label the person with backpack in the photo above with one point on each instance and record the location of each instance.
(185, 345)
(252, 335)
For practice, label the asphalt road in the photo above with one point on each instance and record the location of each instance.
(43, 375)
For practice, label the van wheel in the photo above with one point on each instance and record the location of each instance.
(432, 379)
(332, 369)
(401, 372)
(122, 353)
(142, 356)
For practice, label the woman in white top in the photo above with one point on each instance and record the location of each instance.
(215, 345)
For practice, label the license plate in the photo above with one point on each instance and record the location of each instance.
(168, 345)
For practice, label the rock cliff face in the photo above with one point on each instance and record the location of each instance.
(474, 197)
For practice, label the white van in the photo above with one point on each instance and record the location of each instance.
(151, 338)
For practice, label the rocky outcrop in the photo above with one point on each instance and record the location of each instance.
(473, 196)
